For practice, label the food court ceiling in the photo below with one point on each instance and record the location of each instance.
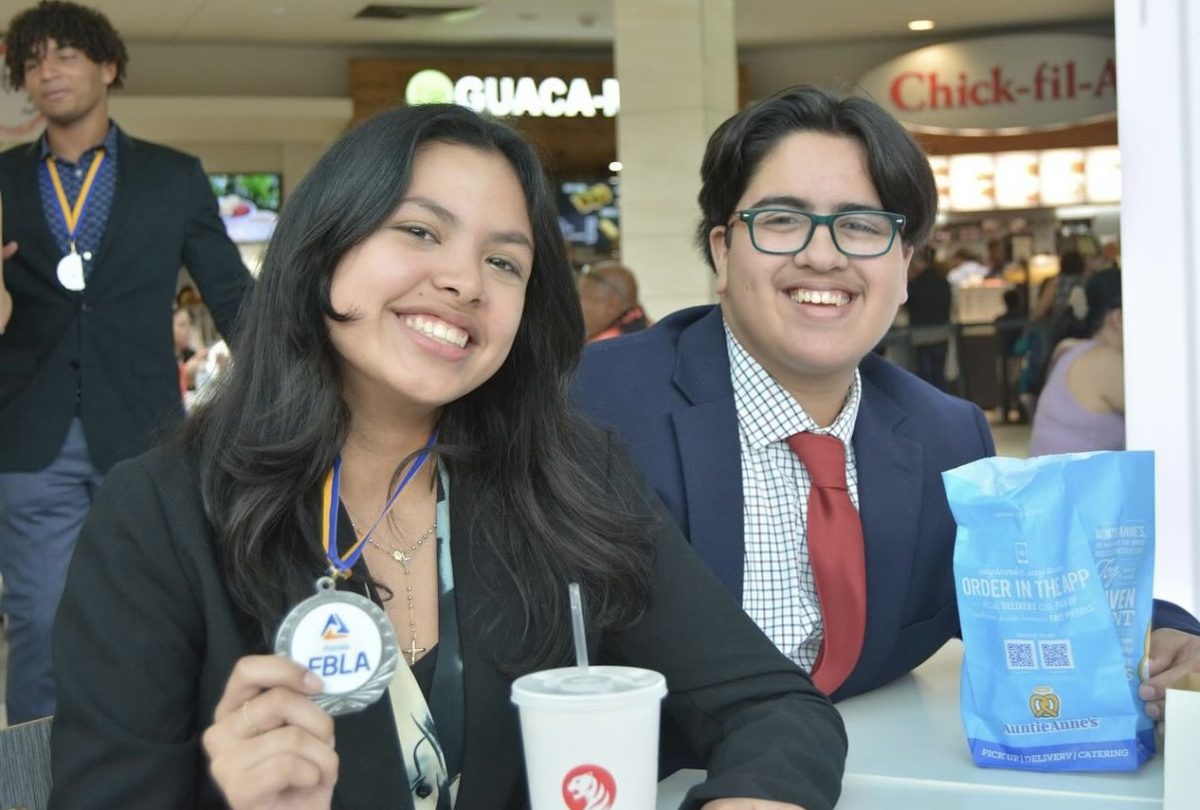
(562, 23)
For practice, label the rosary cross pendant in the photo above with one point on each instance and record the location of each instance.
(412, 651)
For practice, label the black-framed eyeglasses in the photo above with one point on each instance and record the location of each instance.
(786, 231)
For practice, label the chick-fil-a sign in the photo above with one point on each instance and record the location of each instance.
(1027, 81)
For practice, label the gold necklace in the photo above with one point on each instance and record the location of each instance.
(404, 558)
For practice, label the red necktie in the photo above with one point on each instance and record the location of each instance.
(835, 552)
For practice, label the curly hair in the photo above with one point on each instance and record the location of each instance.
(68, 24)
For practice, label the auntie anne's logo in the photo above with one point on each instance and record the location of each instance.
(1044, 703)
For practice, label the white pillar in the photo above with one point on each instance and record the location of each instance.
(1158, 84)
(676, 61)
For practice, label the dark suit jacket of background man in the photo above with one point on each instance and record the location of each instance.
(114, 337)
(667, 392)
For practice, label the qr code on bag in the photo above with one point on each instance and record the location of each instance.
(1020, 654)
(1056, 654)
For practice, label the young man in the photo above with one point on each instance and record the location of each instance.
(812, 206)
(101, 224)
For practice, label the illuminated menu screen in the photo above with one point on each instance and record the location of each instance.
(984, 182)
(1017, 180)
(1102, 170)
(1063, 180)
(941, 177)
(972, 182)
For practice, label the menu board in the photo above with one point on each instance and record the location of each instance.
(972, 182)
(1013, 180)
(1063, 178)
(588, 213)
(1102, 171)
(1018, 184)
(941, 177)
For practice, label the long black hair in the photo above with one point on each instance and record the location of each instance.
(269, 435)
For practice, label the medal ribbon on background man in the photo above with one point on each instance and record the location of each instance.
(70, 267)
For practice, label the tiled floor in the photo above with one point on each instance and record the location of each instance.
(1011, 440)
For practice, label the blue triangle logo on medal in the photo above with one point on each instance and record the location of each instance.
(335, 628)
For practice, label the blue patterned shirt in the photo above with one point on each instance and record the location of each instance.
(90, 230)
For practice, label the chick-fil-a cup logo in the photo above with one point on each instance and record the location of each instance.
(589, 787)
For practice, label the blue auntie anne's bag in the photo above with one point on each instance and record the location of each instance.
(1053, 564)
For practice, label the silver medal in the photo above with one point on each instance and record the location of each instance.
(347, 640)
(70, 271)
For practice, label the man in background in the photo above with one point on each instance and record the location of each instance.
(608, 294)
(966, 270)
(101, 224)
(1110, 255)
(929, 318)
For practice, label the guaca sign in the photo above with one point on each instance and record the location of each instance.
(508, 96)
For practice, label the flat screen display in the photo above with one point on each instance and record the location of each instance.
(249, 204)
(587, 213)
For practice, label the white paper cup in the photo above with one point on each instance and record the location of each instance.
(591, 740)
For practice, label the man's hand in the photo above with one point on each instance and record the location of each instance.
(749, 804)
(1173, 654)
(6, 302)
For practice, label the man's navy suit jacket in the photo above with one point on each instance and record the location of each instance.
(667, 392)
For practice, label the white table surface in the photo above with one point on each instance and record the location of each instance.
(908, 750)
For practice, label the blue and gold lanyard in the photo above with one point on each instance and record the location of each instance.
(73, 214)
(340, 564)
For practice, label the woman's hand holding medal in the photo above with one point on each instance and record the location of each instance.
(270, 745)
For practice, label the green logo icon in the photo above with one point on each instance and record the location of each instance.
(429, 87)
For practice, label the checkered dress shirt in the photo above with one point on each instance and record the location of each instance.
(778, 590)
(89, 232)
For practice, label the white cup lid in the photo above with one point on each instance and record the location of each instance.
(594, 687)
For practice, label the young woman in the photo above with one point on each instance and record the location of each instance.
(1082, 406)
(399, 388)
